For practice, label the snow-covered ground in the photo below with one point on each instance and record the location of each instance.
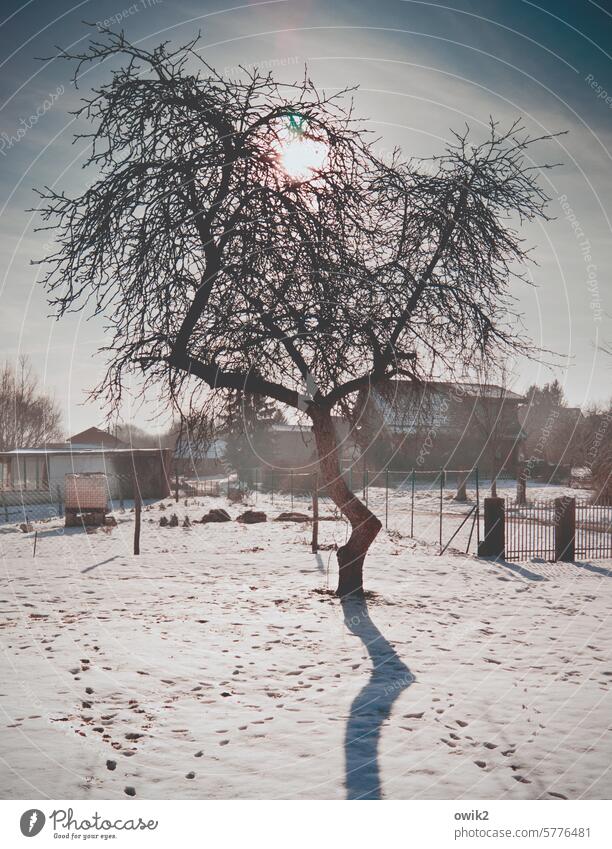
(217, 665)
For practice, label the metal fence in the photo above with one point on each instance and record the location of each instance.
(530, 530)
(24, 505)
(559, 529)
(439, 505)
(593, 530)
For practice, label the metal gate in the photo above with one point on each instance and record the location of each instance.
(593, 530)
(530, 530)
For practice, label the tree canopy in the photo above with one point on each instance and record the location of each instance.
(210, 259)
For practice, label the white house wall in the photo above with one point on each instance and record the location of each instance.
(61, 465)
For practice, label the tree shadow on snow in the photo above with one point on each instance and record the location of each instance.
(519, 570)
(592, 567)
(372, 706)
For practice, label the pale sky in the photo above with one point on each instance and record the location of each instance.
(422, 67)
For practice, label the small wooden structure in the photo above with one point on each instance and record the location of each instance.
(86, 499)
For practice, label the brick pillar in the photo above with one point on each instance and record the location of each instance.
(494, 542)
(565, 529)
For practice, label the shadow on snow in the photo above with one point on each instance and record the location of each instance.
(372, 706)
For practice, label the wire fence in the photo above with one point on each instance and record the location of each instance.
(440, 506)
(26, 505)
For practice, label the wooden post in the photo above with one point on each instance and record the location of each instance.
(176, 485)
(137, 511)
(387, 497)
(412, 507)
(59, 501)
(477, 507)
(442, 476)
(315, 514)
(494, 542)
(565, 529)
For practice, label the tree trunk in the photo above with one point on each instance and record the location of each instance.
(364, 524)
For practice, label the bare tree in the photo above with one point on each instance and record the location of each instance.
(28, 416)
(245, 234)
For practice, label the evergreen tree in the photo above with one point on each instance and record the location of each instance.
(247, 427)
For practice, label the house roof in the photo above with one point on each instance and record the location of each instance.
(406, 406)
(471, 390)
(95, 436)
(70, 450)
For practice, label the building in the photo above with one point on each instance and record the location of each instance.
(433, 425)
(292, 448)
(27, 474)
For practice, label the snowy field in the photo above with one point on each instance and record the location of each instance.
(218, 665)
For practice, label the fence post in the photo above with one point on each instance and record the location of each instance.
(137, 511)
(477, 508)
(315, 514)
(60, 505)
(442, 476)
(291, 488)
(4, 504)
(176, 487)
(565, 529)
(494, 542)
(386, 497)
(412, 508)
(255, 483)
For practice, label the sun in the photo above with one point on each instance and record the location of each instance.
(300, 156)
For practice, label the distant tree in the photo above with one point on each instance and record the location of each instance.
(551, 430)
(138, 437)
(28, 416)
(247, 430)
(595, 450)
(246, 235)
